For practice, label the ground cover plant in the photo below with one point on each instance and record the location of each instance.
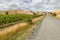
(14, 18)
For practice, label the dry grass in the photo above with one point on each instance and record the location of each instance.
(58, 13)
(30, 30)
(21, 29)
(37, 19)
(58, 16)
(7, 32)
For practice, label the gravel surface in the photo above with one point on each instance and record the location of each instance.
(49, 29)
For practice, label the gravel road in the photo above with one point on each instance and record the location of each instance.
(48, 30)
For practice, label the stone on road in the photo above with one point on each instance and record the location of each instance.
(49, 29)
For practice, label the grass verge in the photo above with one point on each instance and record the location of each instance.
(17, 31)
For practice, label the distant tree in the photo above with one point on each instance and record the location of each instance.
(6, 12)
(51, 13)
(54, 14)
(33, 12)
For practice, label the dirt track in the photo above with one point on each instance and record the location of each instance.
(49, 30)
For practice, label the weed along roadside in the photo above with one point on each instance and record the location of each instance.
(58, 17)
(55, 15)
(8, 33)
(19, 31)
(28, 32)
(57, 12)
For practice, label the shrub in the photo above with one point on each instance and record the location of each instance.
(51, 13)
(30, 21)
(6, 12)
(54, 14)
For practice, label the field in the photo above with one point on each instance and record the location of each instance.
(6, 20)
(17, 25)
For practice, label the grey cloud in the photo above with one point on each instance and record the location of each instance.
(44, 5)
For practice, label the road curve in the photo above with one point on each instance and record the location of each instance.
(48, 30)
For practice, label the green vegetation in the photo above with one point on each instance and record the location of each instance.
(21, 32)
(51, 13)
(54, 14)
(10, 19)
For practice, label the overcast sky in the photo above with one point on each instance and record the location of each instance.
(33, 5)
